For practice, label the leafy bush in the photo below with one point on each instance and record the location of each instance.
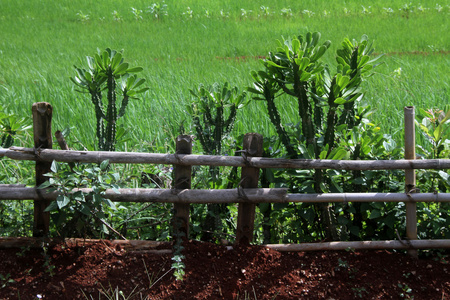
(79, 213)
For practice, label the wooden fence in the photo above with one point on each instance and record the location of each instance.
(247, 194)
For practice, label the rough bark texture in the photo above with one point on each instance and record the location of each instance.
(42, 129)
(253, 146)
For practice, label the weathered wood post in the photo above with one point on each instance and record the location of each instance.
(252, 146)
(61, 141)
(410, 176)
(182, 180)
(42, 131)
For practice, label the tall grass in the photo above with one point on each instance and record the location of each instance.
(40, 41)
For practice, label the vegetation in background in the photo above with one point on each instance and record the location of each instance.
(227, 40)
(226, 45)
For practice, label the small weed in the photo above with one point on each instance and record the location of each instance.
(406, 291)
(137, 13)
(5, 280)
(208, 14)
(189, 13)
(308, 13)
(23, 251)
(442, 258)
(350, 249)
(245, 13)
(342, 264)
(286, 12)
(224, 14)
(248, 296)
(178, 264)
(358, 292)
(158, 10)
(265, 11)
(116, 16)
(81, 17)
(49, 267)
(388, 10)
(365, 11)
(345, 265)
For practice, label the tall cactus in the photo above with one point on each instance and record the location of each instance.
(213, 113)
(108, 71)
(296, 70)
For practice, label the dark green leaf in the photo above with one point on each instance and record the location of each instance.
(62, 201)
(53, 206)
(104, 165)
(375, 213)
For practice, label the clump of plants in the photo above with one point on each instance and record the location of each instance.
(327, 101)
(77, 212)
(111, 83)
(213, 111)
(158, 10)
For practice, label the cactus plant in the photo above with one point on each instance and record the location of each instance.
(325, 102)
(108, 71)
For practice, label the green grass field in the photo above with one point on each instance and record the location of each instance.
(204, 42)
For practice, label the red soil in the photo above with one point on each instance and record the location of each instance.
(215, 272)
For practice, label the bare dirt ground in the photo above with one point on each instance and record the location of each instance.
(218, 272)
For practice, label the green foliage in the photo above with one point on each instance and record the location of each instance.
(137, 13)
(434, 125)
(48, 265)
(5, 280)
(296, 70)
(11, 127)
(173, 51)
(108, 72)
(83, 18)
(157, 10)
(213, 112)
(174, 54)
(178, 257)
(433, 218)
(79, 213)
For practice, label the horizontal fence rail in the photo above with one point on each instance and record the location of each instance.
(362, 245)
(258, 195)
(49, 155)
(246, 195)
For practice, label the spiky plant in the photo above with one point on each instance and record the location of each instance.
(108, 75)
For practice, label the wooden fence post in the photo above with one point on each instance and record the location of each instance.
(252, 146)
(410, 176)
(42, 131)
(182, 180)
